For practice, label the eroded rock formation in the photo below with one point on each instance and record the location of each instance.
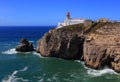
(25, 46)
(61, 44)
(98, 44)
(104, 47)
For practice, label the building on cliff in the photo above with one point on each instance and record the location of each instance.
(103, 20)
(71, 21)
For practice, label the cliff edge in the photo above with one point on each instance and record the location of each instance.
(97, 44)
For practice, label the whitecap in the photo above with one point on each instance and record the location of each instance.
(13, 78)
(67, 80)
(38, 54)
(96, 73)
(10, 51)
(41, 80)
(78, 61)
(31, 41)
(24, 69)
(13, 51)
(49, 80)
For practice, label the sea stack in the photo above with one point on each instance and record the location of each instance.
(25, 46)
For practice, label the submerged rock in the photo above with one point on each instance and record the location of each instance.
(25, 46)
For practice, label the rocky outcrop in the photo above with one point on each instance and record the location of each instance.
(62, 44)
(102, 48)
(97, 44)
(96, 56)
(25, 46)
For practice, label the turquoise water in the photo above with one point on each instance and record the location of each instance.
(31, 67)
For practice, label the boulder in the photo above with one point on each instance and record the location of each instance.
(25, 46)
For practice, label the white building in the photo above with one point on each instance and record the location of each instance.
(71, 21)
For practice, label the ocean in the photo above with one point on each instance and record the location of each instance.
(32, 67)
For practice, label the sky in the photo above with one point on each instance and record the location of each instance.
(50, 12)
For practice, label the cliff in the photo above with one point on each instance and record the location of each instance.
(97, 44)
(65, 43)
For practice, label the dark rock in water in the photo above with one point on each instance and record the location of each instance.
(24, 41)
(25, 46)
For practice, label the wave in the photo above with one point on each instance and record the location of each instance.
(95, 73)
(38, 54)
(31, 41)
(10, 51)
(80, 62)
(13, 51)
(13, 78)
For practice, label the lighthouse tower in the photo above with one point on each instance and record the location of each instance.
(67, 15)
(67, 21)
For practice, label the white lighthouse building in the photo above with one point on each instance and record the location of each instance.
(70, 21)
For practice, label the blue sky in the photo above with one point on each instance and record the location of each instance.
(49, 12)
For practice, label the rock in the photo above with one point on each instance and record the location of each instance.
(88, 23)
(24, 41)
(61, 44)
(25, 46)
(96, 56)
(115, 63)
(98, 44)
(103, 49)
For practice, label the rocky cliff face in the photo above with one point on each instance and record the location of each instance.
(98, 44)
(61, 43)
(104, 47)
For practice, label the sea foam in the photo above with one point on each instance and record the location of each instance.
(13, 51)
(35, 53)
(10, 51)
(13, 78)
(96, 73)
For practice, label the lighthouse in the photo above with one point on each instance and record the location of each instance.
(71, 21)
(67, 21)
(67, 15)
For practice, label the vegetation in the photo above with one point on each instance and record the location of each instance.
(86, 28)
(76, 27)
(96, 26)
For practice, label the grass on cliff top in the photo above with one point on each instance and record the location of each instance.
(88, 29)
(76, 27)
(96, 26)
